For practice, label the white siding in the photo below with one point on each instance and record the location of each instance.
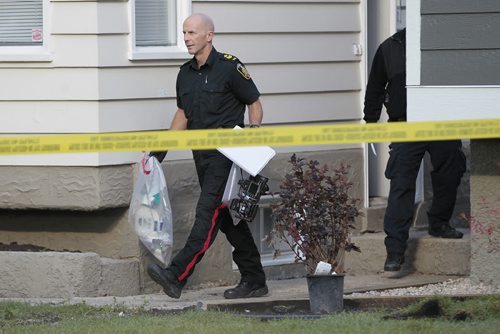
(300, 54)
(92, 17)
(281, 17)
(291, 47)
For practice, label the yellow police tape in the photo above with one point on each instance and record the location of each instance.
(270, 136)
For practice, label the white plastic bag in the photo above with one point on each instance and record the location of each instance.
(150, 214)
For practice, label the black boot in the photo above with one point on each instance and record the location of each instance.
(393, 262)
(246, 289)
(171, 286)
(445, 231)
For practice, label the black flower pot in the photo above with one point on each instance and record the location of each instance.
(326, 293)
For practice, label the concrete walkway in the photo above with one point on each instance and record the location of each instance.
(280, 290)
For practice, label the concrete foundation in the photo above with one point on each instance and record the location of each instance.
(485, 213)
(65, 188)
(113, 261)
(65, 275)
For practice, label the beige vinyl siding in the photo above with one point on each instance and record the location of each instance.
(235, 17)
(71, 116)
(88, 83)
(302, 107)
(89, 17)
(87, 116)
(291, 47)
(25, 84)
(299, 53)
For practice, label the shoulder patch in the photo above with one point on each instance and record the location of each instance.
(243, 71)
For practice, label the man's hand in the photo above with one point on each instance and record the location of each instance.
(160, 155)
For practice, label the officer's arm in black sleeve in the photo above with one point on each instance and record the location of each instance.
(375, 89)
(160, 155)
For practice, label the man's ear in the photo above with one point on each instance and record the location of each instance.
(210, 36)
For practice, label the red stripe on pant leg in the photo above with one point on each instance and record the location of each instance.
(205, 245)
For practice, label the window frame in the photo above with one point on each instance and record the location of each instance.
(179, 51)
(258, 232)
(31, 53)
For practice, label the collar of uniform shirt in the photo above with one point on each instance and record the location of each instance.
(210, 60)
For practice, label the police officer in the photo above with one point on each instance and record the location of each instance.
(387, 85)
(213, 91)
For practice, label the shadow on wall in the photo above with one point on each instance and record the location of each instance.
(101, 221)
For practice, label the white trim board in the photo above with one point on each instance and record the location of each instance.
(413, 58)
(442, 103)
(72, 159)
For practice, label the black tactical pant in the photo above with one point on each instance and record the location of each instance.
(211, 215)
(448, 163)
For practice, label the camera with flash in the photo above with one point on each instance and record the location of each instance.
(245, 206)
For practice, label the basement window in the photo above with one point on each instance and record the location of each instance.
(261, 226)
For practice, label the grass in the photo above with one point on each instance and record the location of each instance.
(479, 315)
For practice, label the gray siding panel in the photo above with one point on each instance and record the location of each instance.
(459, 6)
(289, 47)
(300, 54)
(284, 17)
(461, 67)
(460, 42)
(461, 31)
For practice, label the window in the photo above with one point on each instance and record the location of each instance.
(158, 29)
(21, 22)
(23, 30)
(261, 227)
(401, 15)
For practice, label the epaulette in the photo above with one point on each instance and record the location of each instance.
(239, 66)
(226, 56)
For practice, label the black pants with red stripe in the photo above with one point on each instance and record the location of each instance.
(448, 162)
(213, 170)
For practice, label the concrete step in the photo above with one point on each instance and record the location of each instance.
(374, 215)
(425, 254)
(69, 275)
(66, 275)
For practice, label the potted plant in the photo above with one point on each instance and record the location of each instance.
(314, 217)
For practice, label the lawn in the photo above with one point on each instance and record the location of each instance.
(437, 315)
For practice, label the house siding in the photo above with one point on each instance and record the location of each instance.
(304, 58)
(304, 66)
(299, 53)
(459, 80)
(460, 42)
(295, 57)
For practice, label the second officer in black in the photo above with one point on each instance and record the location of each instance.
(387, 86)
(213, 91)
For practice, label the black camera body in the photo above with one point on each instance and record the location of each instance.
(245, 207)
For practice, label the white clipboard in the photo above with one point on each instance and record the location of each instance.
(252, 159)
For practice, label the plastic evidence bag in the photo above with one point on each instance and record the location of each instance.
(150, 213)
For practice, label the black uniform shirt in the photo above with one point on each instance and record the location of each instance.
(387, 80)
(216, 95)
